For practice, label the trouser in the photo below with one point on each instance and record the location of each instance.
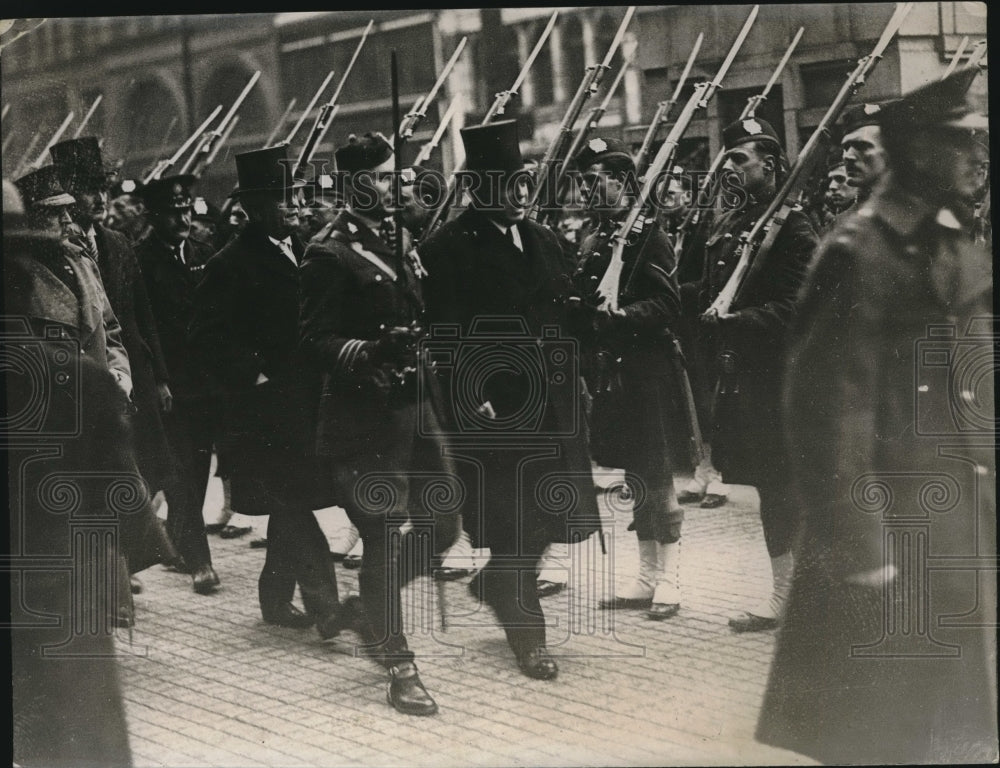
(189, 426)
(297, 552)
(778, 515)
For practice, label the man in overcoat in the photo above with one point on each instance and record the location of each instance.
(496, 287)
(888, 650)
(378, 422)
(746, 348)
(244, 329)
(172, 264)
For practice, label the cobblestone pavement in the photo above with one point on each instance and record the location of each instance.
(208, 683)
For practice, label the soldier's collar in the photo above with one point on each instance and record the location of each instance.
(354, 225)
(902, 211)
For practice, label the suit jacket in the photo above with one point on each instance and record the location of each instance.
(171, 286)
(245, 323)
(34, 291)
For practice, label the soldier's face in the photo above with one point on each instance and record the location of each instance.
(864, 157)
(947, 163)
(51, 221)
(839, 193)
(173, 226)
(415, 211)
(602, 191)
(678, 199)
(754, 168)
(91, 207)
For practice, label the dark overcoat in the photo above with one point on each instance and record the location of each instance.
(745, 434)
(889, 403)
(245, 323)
(512, 349)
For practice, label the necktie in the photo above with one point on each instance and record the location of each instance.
(92, 239)
(512, 236)
(286, 248)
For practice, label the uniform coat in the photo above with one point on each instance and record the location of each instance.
(882, 436)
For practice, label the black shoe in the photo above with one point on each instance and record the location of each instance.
(286, 615)
(258, 544)
(234, 532)
(536, 663)
(178, 565)
(690, 497)
(450, 574)
(713, 500)
(661, 611)
(351, 615)
(617, 603)
(406, 693)
(205, 580)
(352, 561)
(338, 557)
(135, 585)
(549, 588)
(747, 622)
(213, 528)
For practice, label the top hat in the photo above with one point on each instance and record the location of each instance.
(265, 170)
(493, 147)
(171, 193)
(80, 164)
(363, 154)
(943, 103)
(42, 189)
(748, 130)
(599, 149)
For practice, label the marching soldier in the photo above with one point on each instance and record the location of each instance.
(863, 153)
(376, 426)
(244, 329)
(630, 350)
(172, 264)
(747, 345)
(877, 660)
(490, 261)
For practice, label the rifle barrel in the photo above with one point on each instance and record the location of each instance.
(86, 117)
(281, 123)
(55, 137)
(954, 59)
(308, 109)
(169, 163)
(23, 162)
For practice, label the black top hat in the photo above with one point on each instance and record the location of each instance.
(748, 130)
(493, 147)
(943, 103)
(599, 149)
(42, 189)
(364, 154)
(266, 170)
(80, 164)
(171, 193)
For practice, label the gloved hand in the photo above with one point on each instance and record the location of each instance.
(397, 347)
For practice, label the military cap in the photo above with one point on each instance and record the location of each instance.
(80, 164)
(363, 154)
(266, 170)
(171, 193)
(202, 210)
(121, 187)
(748, 130)
(599, 149)
(943, 103)
(493, 147)
(424, 181)
(859, 115)
(42, 189)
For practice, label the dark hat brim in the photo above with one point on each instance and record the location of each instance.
(55, 201)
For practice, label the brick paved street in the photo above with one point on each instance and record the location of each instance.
(207, 682)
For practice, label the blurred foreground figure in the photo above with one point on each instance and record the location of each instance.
(888, 650)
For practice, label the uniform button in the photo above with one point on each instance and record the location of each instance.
(378, 278)
(720, 263)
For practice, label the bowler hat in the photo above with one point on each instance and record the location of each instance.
(363, 154)
(493, 147)
(749, 130)
(265, 170)
(943, 103)
(42, 189)
(80, 164)
(171, 193)
(599, 149)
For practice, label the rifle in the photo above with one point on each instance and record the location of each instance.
(166, 135)
(198, 162)
(766, 229)
(220, 143)
(281, 123)
(500, 102)
(707, 191)
(326, 112)
(419, 112)
(958, 55)
(55, 137)
(165, 165)
(596, 113)
(86, 117)
(663, 110)
(308, 109)
(607, 289)
(547, 172)
(978, 54)
(430, 146)
(6, 109)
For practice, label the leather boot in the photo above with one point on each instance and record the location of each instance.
(639, 592)
(769, 613)
(406, 693)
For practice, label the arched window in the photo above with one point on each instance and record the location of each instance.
(151, 107)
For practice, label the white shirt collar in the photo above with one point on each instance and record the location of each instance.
(286, 247)
(516, 236)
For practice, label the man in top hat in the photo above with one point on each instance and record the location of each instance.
(172, 264)
(889, 396)
(629, 349)
(244, 329)
(745, 347)
(492, 273)
(378, 423)
(861, 145)
(53, 284)
(82, 172)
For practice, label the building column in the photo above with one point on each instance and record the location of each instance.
(527, 94)
(558, 87)
(587, 25)
(632, 111)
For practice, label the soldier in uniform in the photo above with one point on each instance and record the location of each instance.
(746, 346)
(879, 660)
(377, 427)
(244, 329)
(629, 350)
(863, 153)
(490, 262)
(172, 264)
